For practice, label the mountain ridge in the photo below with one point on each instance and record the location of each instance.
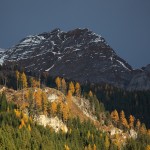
(80, 55)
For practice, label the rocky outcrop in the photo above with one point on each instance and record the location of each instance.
(53, 122)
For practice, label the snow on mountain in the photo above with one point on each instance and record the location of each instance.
(79, 54)
(2, 56)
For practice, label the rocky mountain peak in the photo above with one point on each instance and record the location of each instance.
(79, 54)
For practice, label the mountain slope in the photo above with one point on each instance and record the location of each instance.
(79, 54)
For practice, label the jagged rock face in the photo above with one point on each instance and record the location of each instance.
(79, 55)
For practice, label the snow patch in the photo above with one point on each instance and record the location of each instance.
(50, 68)
(123, 65)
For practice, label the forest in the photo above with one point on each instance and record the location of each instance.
(120, 108)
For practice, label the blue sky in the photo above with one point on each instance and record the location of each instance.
(124, 24)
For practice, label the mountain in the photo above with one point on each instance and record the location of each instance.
(80, 55)
(1, 53)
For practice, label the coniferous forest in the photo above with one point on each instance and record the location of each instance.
(111, 106)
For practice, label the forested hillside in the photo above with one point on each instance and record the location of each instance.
(66, 116)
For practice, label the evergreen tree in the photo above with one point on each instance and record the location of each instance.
(17, 77)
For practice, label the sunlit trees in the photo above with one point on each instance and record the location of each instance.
(107, 143)
(131, 121)
(138, 125)
(58, 83)
(71, 87)
(54, 108)
(34, 83)
(23, 80)
(44, 103)
(77, 89)
(115, 116)
(64, 86)
(38, 100)
(123, 120)
(90, 94)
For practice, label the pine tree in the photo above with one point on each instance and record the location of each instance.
(17, 77)
(3, 102)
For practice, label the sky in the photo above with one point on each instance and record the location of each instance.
(125, 24)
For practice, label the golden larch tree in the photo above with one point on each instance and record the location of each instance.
(44, 103)
(77, 89)
(123, 120)
(58, 82)
(107, 142)
(131, 121)
(138, 124)
(143, 129)
(24, 80)
(64, 86)
(71, 87)
(115, 116)
(54, 108)
(69, 99)
(90, 93)
(148, 147)
(38, 99)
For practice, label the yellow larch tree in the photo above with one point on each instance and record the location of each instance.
(107, 142)
(44, 103)
(71, 87)
(115, 116)
(64, 86)
(131, 121)
(138, 125)
(65, 112)
(58, 82)
(94, 147)
(148, 147)
(143, 129)
(67, 147)
(69, 99)
(123, 120)
(54, 108)
(38, 99)
(24, 80)
(90, 93)
(77, 89)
